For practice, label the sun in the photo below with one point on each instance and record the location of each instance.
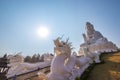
(43, 32)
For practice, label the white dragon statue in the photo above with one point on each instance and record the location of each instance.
(67, 66)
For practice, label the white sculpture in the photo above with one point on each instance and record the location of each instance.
(92, 34)
(65, 66)
(95, 41)
(17, 58)
(59, 68)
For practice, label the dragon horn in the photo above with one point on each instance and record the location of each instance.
(56, 42)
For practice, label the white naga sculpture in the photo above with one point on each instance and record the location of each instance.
(67, 66)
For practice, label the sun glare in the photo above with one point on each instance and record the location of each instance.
(43, 32)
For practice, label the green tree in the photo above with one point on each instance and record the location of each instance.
(27, 59)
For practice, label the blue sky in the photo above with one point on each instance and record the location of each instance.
(19, 20)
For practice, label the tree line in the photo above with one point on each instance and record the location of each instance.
(34, 58)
